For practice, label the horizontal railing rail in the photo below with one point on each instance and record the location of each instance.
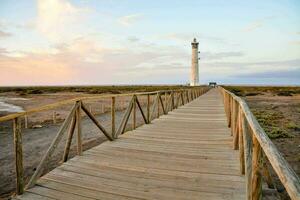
(72, 123)
(252, 142)
(65, 102)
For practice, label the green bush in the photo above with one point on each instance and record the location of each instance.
(293, 126)
(277, 133)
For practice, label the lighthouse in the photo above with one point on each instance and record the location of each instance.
(195, 67)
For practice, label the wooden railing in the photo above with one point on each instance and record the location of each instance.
(253, 143)
(173, 99)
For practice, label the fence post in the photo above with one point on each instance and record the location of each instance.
(134, 113)
(18, 155)
(241, 142)
(165, 100)
(26, 121)
(54, 117)
(172, 96)
(148, 108)
(235, 124)
(229, 110)
(158, 94)
(247, 155)
(256, 166)
(113, 125)
(78, 123)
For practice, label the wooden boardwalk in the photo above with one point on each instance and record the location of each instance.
(186, 154)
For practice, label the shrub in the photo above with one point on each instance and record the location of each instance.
(277, 133)
(293, 126)
(285, 93)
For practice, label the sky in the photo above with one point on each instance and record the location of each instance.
(97, 42)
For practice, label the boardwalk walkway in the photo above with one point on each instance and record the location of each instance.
(186, 154)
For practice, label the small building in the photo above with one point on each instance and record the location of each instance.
(212, 84)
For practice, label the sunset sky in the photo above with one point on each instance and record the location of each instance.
(93, 42)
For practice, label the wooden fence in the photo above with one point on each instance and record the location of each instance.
(253, 143)
(172, 99)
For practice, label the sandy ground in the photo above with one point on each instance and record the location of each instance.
(289, 109)
(37, 140)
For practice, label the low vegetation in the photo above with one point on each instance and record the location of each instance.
(260, 90)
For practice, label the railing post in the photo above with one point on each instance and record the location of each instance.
(113, 111)
(134, 113)
(247, 138)
(54, 117)
(148, 108)
(18, 155)
(229, 109)
(235, 124)
(26, 121)
(187, 96)
(256, 174)
(166, 103)
(241, 142)
(78, 124)
(172, 96)
(158, 94)
(266, 173)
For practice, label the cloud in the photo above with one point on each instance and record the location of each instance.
(257, 24)
(236, 69)
(128, 20)
(187, 37)
(4, 34)
(57, 17)
(294, 42)
(253, 26)
(82, 61)
(29, 25)
(33, 69)
(133, 39)
(220, 55)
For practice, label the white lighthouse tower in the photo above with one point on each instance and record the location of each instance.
(195, 67)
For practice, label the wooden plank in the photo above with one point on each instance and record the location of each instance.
(157, 180)
(133, 189)
(56, 194)
(80, 190)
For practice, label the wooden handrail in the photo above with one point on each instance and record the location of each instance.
(69, 101)
(286, 174)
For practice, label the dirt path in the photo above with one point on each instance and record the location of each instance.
(37, 141)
